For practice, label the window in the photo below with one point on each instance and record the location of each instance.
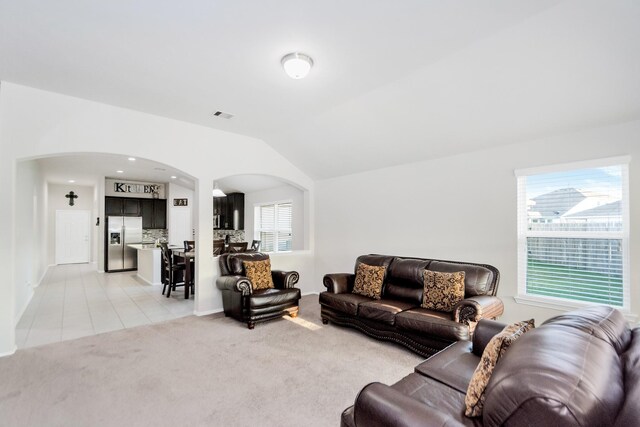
(273, 227)
(573, 234)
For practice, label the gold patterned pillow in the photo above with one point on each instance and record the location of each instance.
(442, 291)
(259, 273)
(495, 349)
(369, 280)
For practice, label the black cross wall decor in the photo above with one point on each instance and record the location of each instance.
(71, 196)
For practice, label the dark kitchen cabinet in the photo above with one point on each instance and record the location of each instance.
(113, 206)
(159, 213)
(225, 208)
(131, 207)
(146, 211)
(152, 211)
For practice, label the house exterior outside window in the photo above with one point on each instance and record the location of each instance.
(573, 234)
(273, 226)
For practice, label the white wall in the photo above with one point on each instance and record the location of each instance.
(278, 194)
(459, 208)
(35, 123)
(58, 201)
(29, 234)
(175, 191)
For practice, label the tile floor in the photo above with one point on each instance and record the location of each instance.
(75, 300)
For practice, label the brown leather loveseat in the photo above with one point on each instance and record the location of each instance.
(398, 315)
(577, 369)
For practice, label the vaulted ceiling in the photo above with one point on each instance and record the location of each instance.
(393, 82)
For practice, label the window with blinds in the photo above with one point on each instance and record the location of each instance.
(273, 227)
(573, 233)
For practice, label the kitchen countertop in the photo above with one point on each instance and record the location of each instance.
(149, 246)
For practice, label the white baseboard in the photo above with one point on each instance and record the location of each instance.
(207, 312)
(23, 309)
(9, 353)
(310, 293)
(44, 273)
(148, 282)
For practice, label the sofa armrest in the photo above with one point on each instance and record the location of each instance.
(470, 310)
(380, 405)
(235, 283)
(485, 330)
(284, 279)
(339, 283)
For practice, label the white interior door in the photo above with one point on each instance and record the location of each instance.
(180, 225)
(73, 229)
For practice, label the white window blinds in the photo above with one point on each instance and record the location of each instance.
(573, 233)
(273, 227)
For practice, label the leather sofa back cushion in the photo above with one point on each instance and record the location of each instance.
(556, 376)
(601, 321)
(234, 261)
(405, 280)
(478, 279)
(374, 260)
(630, 412)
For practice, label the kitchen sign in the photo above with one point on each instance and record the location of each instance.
(137, 189)
(123, 187)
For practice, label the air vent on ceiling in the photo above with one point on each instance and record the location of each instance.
(222, 115)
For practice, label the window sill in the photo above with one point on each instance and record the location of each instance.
(562, 305)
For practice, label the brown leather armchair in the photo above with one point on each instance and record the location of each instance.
(246, 304)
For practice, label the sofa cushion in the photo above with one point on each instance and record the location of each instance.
(432, 323)
(496, 349)
(442, 291)
(556, 376)
(375, 260)
(259, 273)
(603, 322)
(453, 366)
(369, 280)
(436, 395)
(405, 280)
(344, 303)
(629, 414)
(273, 297)
(383, 310)
(478, 279)
(235, 261)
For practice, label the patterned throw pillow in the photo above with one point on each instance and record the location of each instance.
(259, 273)
(442, 291)
(369, 280)
(495, 349)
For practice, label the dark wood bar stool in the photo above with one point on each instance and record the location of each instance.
(171, 271)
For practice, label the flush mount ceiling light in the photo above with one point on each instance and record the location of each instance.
(218, 192)
(132, 159)
(297, 65)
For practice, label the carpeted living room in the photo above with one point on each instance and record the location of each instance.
(356, 213)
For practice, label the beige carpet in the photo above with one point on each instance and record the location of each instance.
(198, 371)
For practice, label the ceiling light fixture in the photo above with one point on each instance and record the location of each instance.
(119, 171)
(173, 177)
(71, 181)
(217, 192)
(132, 159)
(297, 65)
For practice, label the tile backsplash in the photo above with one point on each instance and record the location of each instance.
(234, 235)
(150, 235)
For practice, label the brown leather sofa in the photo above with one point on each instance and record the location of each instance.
(398, 317)
(242, 302)
(577, 369)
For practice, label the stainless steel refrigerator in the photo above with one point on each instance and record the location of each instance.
(123, 231)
